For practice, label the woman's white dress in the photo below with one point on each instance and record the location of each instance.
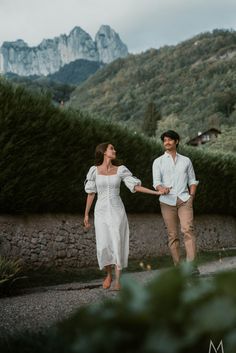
(110, 220)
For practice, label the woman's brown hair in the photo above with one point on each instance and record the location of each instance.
(99, 154)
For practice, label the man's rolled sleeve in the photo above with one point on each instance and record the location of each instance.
(156, 173)
(191, 175)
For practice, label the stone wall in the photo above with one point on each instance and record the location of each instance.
(59, 240)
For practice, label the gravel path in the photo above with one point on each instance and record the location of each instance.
(43, 306)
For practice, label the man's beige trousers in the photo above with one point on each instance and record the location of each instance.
(182, 212)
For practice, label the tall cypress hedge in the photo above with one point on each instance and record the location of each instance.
(45, 153)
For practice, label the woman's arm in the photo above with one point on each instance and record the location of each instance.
(89, 203)
(140, 188)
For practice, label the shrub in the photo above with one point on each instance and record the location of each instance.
(9, 270)
(173, 314)
(45, 153)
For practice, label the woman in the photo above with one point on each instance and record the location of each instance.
(111, 224)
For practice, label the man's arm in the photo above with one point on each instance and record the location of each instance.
(192, 182)
(157, 177)
(192, 189)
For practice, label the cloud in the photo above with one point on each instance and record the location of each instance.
(141, 23)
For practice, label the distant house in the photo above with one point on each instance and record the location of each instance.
(204, 137)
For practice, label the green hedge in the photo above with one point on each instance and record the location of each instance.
(173, 314)
(45, 153)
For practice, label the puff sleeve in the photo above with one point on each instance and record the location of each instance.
(128, 178)
(90, 182)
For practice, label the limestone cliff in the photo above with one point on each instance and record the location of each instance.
(52, 54)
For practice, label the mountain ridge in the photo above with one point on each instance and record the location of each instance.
(191, 83)
(52, 54)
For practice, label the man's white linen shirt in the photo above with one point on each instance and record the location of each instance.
(176, 174)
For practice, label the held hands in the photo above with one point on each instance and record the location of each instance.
(163, 190)
(160, 192)
(87, 225)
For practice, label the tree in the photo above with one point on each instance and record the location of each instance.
(225, 142)
(226, 102)
(151, 117)
(172, 122)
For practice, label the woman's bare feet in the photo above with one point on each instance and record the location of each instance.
(117, 286)
(107, 282)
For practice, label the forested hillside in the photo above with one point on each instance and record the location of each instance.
(76, 72)
(192, 86)
(60, 84)
(55, 90)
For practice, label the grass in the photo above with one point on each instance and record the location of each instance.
(51, 276)
(165, 261)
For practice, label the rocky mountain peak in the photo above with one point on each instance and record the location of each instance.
(109, 44)
(19, 43)
(77, 30)
(52, 54)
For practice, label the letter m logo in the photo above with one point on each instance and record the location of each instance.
(213, 349)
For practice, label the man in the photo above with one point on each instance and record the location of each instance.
(173, 174)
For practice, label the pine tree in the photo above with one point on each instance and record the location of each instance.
(151, 117)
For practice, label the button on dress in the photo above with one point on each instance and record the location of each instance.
(110, 219)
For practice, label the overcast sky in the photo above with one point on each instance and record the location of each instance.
(141, 24)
